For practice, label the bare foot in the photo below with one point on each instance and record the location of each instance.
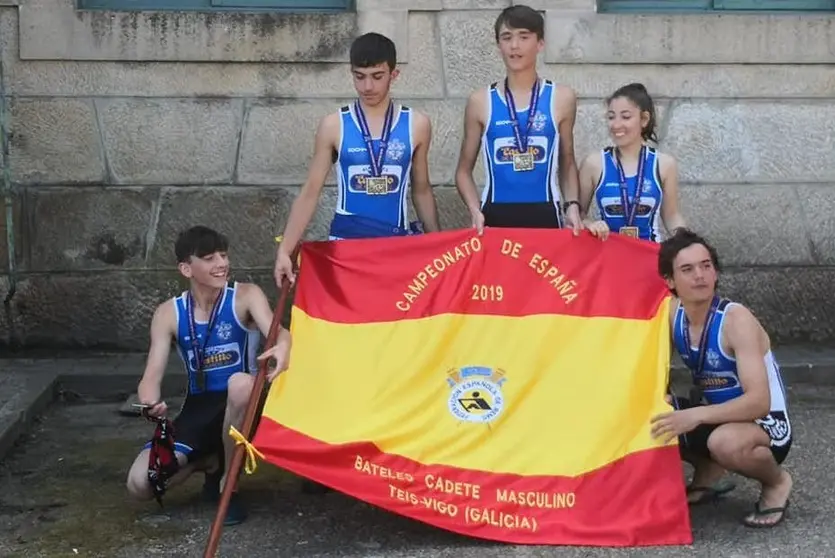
(774, 500)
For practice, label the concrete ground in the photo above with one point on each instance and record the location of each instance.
(62, 487)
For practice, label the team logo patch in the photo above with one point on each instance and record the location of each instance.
(539, 121)
(395, 150)
(224, 331)
(476, 393)
(777, 426)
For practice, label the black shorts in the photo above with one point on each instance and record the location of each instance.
(695, 441)
(522, 215)
(198, 428)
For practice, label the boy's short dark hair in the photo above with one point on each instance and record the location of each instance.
(682, 238)
(199, 241)
(373, 49)
(521, 17)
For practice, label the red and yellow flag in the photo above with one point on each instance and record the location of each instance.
(500, 386)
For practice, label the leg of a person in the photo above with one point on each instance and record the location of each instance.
(746, 449)
(707, 474)
(138, 485)
(238, 391)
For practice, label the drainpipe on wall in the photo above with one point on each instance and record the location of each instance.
(8, 198)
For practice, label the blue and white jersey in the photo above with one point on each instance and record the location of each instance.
(231, 347)
(353, 167)
(503, 184)
(719, 378)
(607, 195)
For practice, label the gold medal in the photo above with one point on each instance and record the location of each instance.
(523, 162)
(376, 185)
(629, 231)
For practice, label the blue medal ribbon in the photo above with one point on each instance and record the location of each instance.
(200, 352)
(700, 357)
(630, 209)
(376, 158)
(521, 141)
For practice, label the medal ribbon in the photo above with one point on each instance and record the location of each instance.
(376, 159)
(200, 352)
(630, 210)
(521, 141)
(700, 359)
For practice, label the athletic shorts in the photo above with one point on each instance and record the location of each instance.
(522, 215)
(198, 428)
(695, 441)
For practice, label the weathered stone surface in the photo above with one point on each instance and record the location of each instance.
(466, 70)
(277, 141)
(249, 217)
(86, 228)
(421, 77)
(750, 225)
(270, 155)
(730, 141)
(471, 57)
(54, 140)
(415, 5)
(467, 66)
(18, 227)
(447, 130)
(794, 303)
(100, 310)
(452, 213)
(171, 141)
(192, 36)
(475, 4)
(583, 37)
(818, 206)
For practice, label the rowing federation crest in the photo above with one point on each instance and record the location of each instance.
(476, 394)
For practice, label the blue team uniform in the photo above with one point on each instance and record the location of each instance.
(607, 195)
(364, 213)
(719, 378)
(537, 190)
(231, 347)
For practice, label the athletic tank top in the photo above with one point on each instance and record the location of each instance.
(353, 166)
(230, 348)
(607, 195)
(719, 378)
(503, 184)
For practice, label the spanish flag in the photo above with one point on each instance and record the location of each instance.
(499, 386)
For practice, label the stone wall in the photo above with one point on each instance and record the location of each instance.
(127, 127)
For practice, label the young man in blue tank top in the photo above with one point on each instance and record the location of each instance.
(743, 425)
(524, 128)
(216, 330)
(611, 178)
(379, 153)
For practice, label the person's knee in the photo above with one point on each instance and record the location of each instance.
(138, 485)
(733, 444)
(239, 389)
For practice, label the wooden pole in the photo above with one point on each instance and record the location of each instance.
(249, 419)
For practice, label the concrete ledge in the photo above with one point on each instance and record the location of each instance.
(26, 396)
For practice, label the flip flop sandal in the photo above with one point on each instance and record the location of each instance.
(760, 513)
(710, 493)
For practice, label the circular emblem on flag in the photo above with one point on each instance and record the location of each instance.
(476, 393)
